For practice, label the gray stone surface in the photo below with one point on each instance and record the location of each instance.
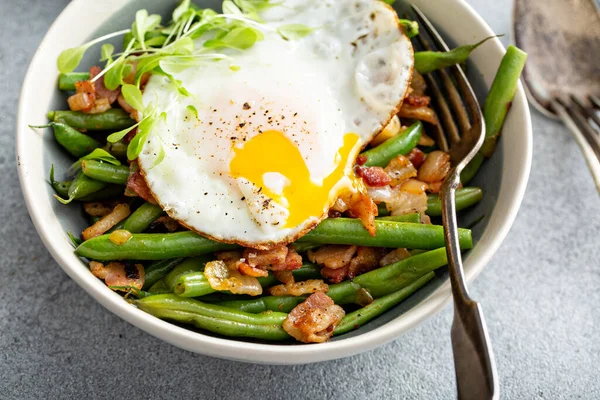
(540, 293)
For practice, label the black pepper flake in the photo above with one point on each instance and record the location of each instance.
(233, 138)
(246, 106)
(242, 124)
(243, 198)
(295, 114)
(259, 190)
(205, 193)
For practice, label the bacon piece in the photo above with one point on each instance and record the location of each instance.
(81, 102)
(435, 168)
(100, 106)
(418, 84)
(246, 269)
(394, 256)
(332, 256)
(137, 184)
(361, 160)
(169, 223)
(364, 208)
(421, 113)
(335, 275)
(400, 169)
(418, 100)
(220, 277)
(119, 274)
(125, 105)
(373, 176)
(101, 91)
(286, 277)
(416, 157)
(314, 320)
(230, 258)
(366, 259)
(278, 259)
(299, 288)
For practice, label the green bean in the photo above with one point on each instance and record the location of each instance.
(378, 283)
(113, 119)
(357, 318)
(150, 246)
(382, 210)
(67, 81)
(414, 218)
(393, 277)
(302, 247)
(109, 192)
(400, 144)
(411, 28)
(429, 61)
(195, 284)
(389, 234)
(465, 198)
(117, 149)
(81, 186)
(76, 143)
(61, 188)
(105, 172)
(157, 270)
(471, 169)
(501, 96)
(214, 318)
(307, 271)
(193, 264)
(141, 218)
(159, 288)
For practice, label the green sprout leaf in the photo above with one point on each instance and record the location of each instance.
(101, 155)
(133, 96)
(70, 58)
(106, 52)
(240, 38)
(193, 110)
(294, 31)
(229, 7)
(115, 137)
(144, 23)
(180, 10)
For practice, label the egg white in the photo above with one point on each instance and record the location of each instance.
(349, 76)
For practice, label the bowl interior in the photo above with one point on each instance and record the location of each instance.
(53, 219)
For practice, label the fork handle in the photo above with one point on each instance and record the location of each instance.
(587, 140)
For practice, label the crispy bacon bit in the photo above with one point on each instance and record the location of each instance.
(394, 256)
(366, 259)
(364, 208)
(373, 176)
(299, 288)
(435, 168)
(435, 187)
(334, 214)
(416, 157)
(314, 320)
(278, 259)
(125, 105)
(335, 275)
(81, 102)
(425, 219)
(230, 258)
(418, 100)
(361, 159)
(97, 209)
(400, 169)
(414, 186)
(222, 278)
(421, 113)
(100, 106)
(286, 277)
(137, 184)
(246, 269)
(119, 213)
(332, 256)
(426, 140)
(101, 91)
(341, 203)
(119, 274)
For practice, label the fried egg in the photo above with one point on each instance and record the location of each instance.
(264, 144)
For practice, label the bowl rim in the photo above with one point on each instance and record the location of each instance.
(49, 231)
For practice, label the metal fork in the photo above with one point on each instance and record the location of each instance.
(464, 130)
(565, 87)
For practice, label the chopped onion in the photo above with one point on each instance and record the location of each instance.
(222, 278)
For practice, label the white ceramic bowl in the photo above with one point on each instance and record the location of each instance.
(36, 152)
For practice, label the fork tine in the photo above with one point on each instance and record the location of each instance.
(435, 36)
(595, 100)
(575, 111)
(587, 110)
(459, 108)
(440, 137)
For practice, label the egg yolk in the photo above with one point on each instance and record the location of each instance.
(271, 151)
